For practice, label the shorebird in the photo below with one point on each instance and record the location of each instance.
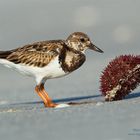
(49, 59)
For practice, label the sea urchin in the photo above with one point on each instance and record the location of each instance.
(120, 77)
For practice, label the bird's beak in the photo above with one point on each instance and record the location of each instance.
(93, 47)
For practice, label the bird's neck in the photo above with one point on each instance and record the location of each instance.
(71, 59)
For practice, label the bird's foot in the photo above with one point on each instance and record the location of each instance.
(54, 105)
(50, 105)
(62, 105)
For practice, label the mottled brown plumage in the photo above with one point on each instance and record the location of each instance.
(38, 54)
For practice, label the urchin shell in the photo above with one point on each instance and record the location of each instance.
(120, 77)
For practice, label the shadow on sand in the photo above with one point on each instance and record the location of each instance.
(132, 95)
(22, 106)
(70, 99)
(77, 99)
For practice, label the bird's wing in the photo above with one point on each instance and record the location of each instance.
(38, 54)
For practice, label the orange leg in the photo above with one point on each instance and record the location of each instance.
(44, 96)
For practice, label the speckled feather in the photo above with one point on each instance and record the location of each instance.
(37, 54)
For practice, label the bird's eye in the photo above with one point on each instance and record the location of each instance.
(82, 40)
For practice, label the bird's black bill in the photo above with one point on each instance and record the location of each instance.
(93, 47)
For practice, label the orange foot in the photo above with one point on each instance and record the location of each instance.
(44, 96)
(50, 105)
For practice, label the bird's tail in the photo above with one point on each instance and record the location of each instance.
(4, 54)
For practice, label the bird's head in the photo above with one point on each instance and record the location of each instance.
(81, 42)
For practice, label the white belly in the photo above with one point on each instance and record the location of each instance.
(52, 70)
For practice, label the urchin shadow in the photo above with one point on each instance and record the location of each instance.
(132, 95)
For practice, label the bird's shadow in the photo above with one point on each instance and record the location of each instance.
(63, 100)
(74, 99)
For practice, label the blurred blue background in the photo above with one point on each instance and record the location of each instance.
(113, 25)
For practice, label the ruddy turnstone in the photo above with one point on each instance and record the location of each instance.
(49, 59)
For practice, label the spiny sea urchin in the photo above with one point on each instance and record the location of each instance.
(120, 77)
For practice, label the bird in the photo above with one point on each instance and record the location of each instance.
(49, 59)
